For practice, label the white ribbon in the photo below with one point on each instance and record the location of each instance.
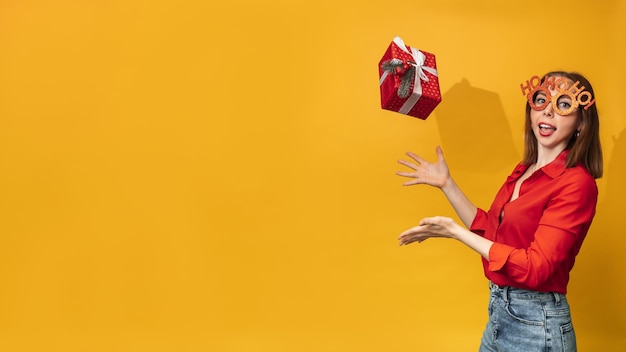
(420, 75)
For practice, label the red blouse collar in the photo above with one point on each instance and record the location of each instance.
(553, 169)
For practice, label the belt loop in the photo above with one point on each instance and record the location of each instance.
(557, 298)
(505, 293)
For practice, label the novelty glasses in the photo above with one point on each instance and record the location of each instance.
(568, 96)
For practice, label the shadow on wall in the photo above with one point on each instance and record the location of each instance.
(599, 286)
(473, 126)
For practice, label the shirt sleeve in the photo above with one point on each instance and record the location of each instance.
(479, 224)
(562, 228)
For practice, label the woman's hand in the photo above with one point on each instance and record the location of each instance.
(437, 226)
(435, 174)
(440, 226)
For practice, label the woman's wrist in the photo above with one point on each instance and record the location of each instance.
(448, 185)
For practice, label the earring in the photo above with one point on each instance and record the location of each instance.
(577, 134)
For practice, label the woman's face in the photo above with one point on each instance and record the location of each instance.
(552, 130)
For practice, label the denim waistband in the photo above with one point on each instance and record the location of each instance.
(519, 293)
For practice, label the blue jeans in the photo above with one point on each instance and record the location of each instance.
(527, 321)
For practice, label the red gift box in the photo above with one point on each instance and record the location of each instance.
(413, 69)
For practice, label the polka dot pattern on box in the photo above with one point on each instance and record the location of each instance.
(431, 93)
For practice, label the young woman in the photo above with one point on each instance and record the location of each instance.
(535, 227)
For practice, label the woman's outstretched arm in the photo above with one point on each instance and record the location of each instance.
(444, 227)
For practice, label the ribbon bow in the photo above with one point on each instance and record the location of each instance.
(420, 75)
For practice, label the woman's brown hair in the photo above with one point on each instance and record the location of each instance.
(584, 147)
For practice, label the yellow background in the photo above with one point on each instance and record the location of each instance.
(219, 176)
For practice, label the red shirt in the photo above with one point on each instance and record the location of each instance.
(541, 232)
